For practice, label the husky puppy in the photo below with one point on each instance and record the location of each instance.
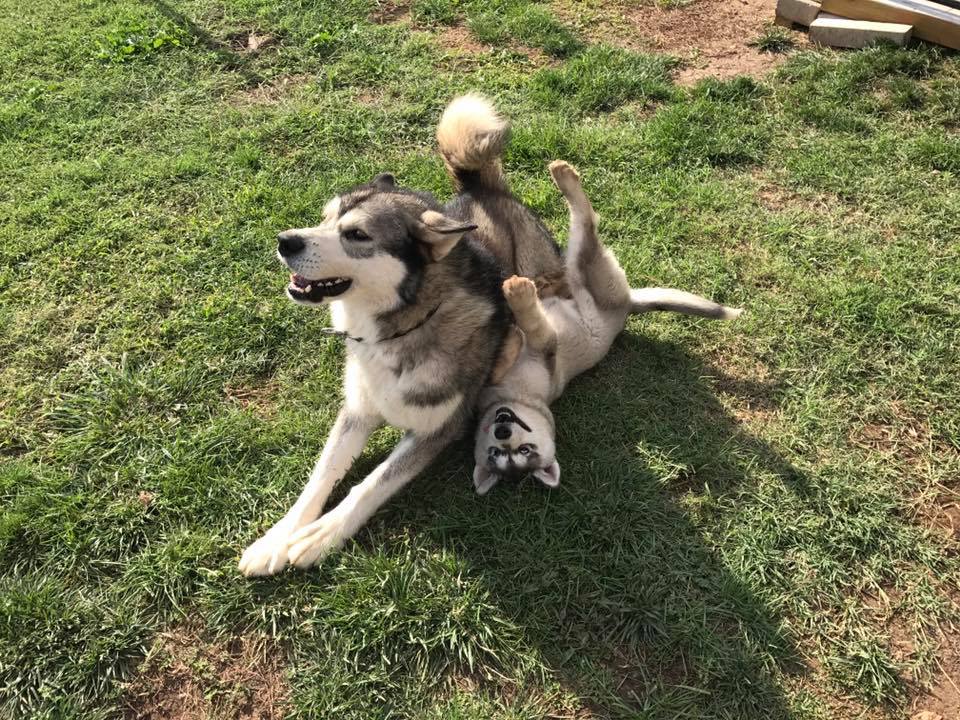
(563, 337)
(414, 288)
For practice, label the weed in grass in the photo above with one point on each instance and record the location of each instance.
(773, 39)
(136, 41)
(436, 12)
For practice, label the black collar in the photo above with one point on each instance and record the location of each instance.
(347, 336)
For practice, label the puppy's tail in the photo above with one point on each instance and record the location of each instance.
(649, 299)
(471, 136)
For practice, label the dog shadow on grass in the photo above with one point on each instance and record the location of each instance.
(616, 576)
(625, 580)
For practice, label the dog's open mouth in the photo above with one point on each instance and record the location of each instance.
(506, 416)
(300, 288)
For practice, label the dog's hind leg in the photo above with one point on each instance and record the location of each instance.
(410, 457)
(644, 300)
(521, 295)
(589, 264)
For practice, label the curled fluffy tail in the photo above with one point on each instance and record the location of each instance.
(648, 299)
(472, 135)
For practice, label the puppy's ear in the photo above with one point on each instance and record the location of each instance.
(384, 181)
(550, 475)
(440, 233)
(483, 479)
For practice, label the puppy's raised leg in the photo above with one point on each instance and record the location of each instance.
(521, 295)
(349, 434)
(411, 456)
(589, 264)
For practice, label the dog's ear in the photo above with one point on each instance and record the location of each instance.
(550, 475)
(483, 479)
(440, 233)
(384, 181)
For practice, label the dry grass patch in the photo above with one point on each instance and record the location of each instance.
(270, 93)
(259, 399)
(188, 676)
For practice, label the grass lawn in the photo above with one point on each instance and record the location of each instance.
(757, 520)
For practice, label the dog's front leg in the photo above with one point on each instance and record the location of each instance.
(349, 434)
(411, 456)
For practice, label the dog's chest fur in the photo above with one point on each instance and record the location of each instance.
(421, 380)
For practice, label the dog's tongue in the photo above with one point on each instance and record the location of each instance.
(299, 280)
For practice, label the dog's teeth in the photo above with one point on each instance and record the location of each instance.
(308, 288)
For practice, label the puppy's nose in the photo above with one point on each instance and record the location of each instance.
(289, 243)
(501, 432)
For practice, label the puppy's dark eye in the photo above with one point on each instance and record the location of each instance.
(356, 235)
(494, 452)
(524, 449)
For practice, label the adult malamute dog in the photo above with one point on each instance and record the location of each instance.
(414, 287)
(563, 336)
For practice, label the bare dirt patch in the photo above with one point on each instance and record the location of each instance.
(259, 399)
(455, 39)
(390, 11)
(777, 198)
(270, 93)
(746, 387)
(250, 41)
(710, 36)
(188, 676)
(942, 698)
(459, 39)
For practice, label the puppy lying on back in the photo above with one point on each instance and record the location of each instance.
(564, 335)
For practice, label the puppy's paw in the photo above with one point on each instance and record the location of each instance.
(268, 555)
(519, 291)
(314, 542)
(565, 176)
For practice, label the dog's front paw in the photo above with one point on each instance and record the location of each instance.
(519, 290)
(268, 555)
(313, 543)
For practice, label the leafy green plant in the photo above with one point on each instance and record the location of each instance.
(135, 41)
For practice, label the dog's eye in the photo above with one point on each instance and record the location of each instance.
(494, 452)
(356, 235)
(524, 449)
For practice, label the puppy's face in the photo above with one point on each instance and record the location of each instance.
(514, 440)
(375, 240)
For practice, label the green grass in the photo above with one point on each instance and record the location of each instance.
(750, 523)
(773, 39)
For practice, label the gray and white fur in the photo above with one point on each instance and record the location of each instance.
(414, 288)
(563, 336)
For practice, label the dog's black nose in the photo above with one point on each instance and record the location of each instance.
(502, 432)
(289, 243)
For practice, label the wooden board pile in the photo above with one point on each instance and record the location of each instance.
(858, 23)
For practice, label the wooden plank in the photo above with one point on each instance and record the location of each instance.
(933, 22)
(802, 12)
(841, 32)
